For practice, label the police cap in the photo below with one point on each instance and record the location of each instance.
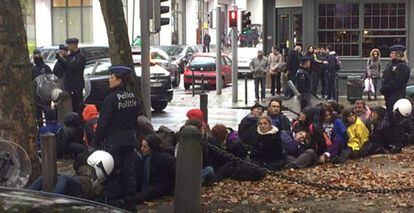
(72, 41)
(123, 70)
(63, 47)
(398, 47)
(304, 59)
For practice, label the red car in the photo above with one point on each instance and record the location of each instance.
(205, 64)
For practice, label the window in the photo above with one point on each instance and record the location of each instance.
(383, 25)
(339, 27)
(28, 9)
(72, 18)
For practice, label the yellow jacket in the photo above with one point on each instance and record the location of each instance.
(358, 135)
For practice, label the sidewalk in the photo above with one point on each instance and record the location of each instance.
(185, 98)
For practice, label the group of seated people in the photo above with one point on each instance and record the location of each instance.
(320, 134)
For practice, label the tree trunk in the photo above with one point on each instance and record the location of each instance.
(119, 47)
(17, 121)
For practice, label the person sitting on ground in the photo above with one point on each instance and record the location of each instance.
(87, 182)
(90, 117)
(51, 125)
(298, 149)
(336, 133)
(267, 151)
(229, 140)
(248, 125)
(69, 139)
(306, 121)
(357, 136)
(158, 174)
(274, 111)
(379, 138)
(363, 112)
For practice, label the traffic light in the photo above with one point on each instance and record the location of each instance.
(232, 18)
(246, 20)
(158, 11)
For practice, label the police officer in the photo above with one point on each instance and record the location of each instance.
(116, 131)
(73, 67)
(62, 54)
(395, 77)
(303, 81)
(39, 69)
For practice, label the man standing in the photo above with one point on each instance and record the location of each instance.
(275, 58)
(259, 66)
(58, 69)
(40, 68)
(303, 81)
(332, 64)
(395, 77)
(292, 65)
(73, 67)
(206, 42)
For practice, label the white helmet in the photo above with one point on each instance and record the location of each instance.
(102, 162)
(403, 106)
(55, 94)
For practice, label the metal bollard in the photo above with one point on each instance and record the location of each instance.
(193, 83)
(202, 83)
(245, 88)
(63, 106)
(188, 171)
(49, 168)
(204, 105)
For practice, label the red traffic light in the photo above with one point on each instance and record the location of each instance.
(233, 18)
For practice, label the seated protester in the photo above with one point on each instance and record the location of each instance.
(90, 117)
(86, 183)
(248, 125)
(69, 139)
(274, 111)
(228, 139)
(402, 125)
(306, 121)
(363, 112)
(357, 136)
(337, 107)
(267, 151)
(335, 133)
(378, 142)
(158, 174)
(297, 148)
(51, 125)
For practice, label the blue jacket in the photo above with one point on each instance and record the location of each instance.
(51, 126)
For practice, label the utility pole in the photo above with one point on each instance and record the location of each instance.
(145, 8)
(218, 51)
(234, 71)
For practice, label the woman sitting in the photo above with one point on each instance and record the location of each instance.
(297, 148)
(267, 150)
(158, 170)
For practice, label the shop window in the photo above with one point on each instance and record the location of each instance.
(72, 18)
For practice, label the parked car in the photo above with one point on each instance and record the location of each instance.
(21, 200)
(244, 56)
(180, 54)
(96, 83)
(409, 92)
(161, 58)
(204, 64)
(91, 52)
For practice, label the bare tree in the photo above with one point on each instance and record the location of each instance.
(17, 121)
(119, 47)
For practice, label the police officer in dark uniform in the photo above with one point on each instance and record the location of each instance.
(39, 69)
(303, 81)
(395, 77)
(58, 68)
(73, 67)
(116, 131)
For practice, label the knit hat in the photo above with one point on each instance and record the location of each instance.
(196, 114)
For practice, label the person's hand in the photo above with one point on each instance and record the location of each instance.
(325, 62)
